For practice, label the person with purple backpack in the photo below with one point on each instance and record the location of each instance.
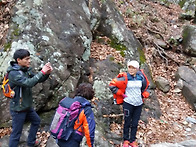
(84, 125)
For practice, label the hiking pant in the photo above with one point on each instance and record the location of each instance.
(131, 118)
(70, 143)
(18, 119)
(74, 141)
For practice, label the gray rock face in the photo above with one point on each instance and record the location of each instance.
(162, 84)
(188, 76)
(113, 26)
(189, 43)
(58, 32)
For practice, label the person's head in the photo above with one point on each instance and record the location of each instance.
(133, 66)
(22, 57)
(85, 90)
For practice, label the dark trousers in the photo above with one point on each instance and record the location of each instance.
(74, 141)
(18, 119)
(131, 118)
(69, 143)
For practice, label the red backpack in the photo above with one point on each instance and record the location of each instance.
(117, 95)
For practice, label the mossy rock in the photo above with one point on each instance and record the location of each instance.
(114, 43)
(142, 56)
(7, 46)
(181, 3)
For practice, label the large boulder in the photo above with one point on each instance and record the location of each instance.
(113, 26)
(189, 43)
(188, 78)
(55, 31)
(162, 84)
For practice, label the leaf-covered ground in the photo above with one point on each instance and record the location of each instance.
(148, 21)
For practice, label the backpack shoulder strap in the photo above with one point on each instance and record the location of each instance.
(5, 78)
(147, 81)
(6, 75)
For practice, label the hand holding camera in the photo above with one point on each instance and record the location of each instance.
(47, 68)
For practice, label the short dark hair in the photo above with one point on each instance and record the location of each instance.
(85, 90)
(21, 53)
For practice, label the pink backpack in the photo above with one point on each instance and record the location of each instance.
(64, 119)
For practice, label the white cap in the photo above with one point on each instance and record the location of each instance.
(133, 63)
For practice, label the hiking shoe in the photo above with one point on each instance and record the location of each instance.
(133, 144)
(126, 143)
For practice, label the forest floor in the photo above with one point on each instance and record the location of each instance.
(148, 21)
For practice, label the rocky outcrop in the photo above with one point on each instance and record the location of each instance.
(162, 84)
(58, 32)
(112, 25)
(189, 35)
(188, 78)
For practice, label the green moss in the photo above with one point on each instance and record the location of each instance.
(165, 2)
(100, 39)
(111, 58)
(5, 124)
(7, 46)
(103, 1)
(186, 33)
(181, 3)
(129, 12)
(118, 46)
(15, 32)
(173, 41)
(154, 19)
(121, 2)
(142, 56)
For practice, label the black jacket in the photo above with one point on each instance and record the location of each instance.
(21, 80)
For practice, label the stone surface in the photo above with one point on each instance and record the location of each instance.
(189, 43)
(188, 76)
(162, 84)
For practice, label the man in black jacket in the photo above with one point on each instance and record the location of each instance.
(21, 80)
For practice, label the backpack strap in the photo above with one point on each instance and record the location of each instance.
(78, 132)
(147, 81)
(5, 80)
(20, 96)
(6, 75)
